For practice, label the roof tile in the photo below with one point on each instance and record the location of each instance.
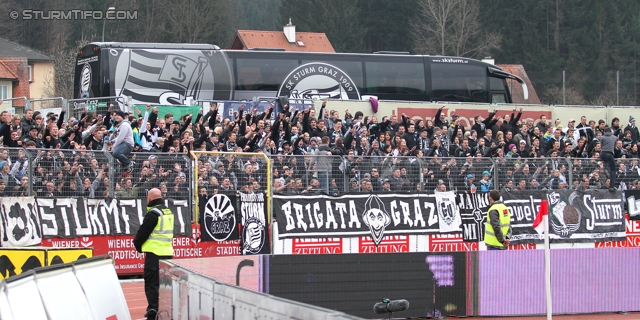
(311, 41)
(517, 95)
(10, 49)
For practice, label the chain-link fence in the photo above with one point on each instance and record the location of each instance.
(229, 173)
(15, 105)
(352, 173)
(14, 172)
(336, 175)
(309, 173)
(46, 105)
(92, 174)
(69, 173)
(519, 174)
(170, 172)
(99, 106)
(627, 175)
(611, 87)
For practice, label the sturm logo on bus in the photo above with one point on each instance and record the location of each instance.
(318, 80)
(85, 81)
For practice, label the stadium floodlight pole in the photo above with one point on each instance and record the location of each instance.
(104, 21)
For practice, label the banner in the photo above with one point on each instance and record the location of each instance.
(176, 111)
(632, 203)
(228, 108)
(219, 218)
(129, 262)
(448, 212)
(26, 220)
(473, 213)
(20, 222)
(595, 215)
(574, 216)
(16, 261)
(375, 215)
(255, 235)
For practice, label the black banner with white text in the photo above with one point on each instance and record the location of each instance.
(255, 227)
(26, 220)
(632, 203)
(574, 216)
(375, 215)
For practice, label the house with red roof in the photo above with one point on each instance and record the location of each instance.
(24, 72)
(287, 39)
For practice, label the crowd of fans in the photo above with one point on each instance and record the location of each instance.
(311, 152)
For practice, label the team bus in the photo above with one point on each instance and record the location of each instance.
(161, 73)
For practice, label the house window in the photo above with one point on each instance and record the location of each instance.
(4, 90)
(30, 71)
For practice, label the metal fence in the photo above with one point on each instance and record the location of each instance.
(335, 175)
(229, 173)
(350, 173)
(76, 107)
(88, 173)
(50, 104)
(92, 174)
(172, 173)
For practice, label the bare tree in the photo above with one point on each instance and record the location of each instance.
(431, 27)
(195, 21)
(59, 83)
(451, 27)
(553, 95)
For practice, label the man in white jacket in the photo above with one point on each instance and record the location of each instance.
(123, 141)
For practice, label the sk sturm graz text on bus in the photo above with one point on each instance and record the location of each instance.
(159, 73)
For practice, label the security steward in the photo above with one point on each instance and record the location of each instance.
(155, 239)
(498, 228)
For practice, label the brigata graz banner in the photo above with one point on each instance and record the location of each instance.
(375, 215)
(574, 216)
(26, 220)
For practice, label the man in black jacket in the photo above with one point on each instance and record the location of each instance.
(481, 124)
(155, 239)
(440, 120)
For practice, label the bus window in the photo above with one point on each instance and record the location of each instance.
(458, 82)
(396, 80)
(265, 74)
(498, 98)
(498, 90)
(497, 84)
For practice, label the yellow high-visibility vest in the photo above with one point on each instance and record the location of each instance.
(505, 224)
(160, 241)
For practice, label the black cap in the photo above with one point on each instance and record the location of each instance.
(121, 113)
(176, 122)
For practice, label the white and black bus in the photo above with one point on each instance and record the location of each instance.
(161, 73)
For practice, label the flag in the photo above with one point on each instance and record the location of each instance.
(543, 211)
